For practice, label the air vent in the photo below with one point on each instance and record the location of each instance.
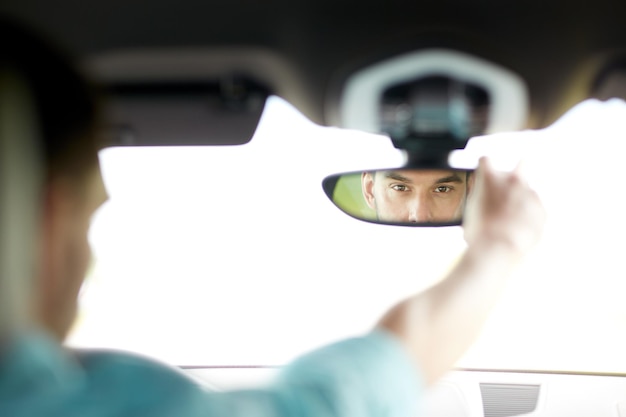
(508, 400)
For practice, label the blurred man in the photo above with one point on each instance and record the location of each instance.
(379, 374)
(417, 196)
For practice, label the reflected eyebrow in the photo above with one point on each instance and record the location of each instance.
(395, 176)
(451, 178)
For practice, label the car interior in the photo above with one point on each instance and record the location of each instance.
(239, 134)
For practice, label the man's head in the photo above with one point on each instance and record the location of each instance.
(72, 187)
(416, 196)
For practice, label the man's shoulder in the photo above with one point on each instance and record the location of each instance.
(125, 366)
(135, 382)
(40, 377)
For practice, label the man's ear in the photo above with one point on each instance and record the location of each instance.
(367, 187)
(55, 227)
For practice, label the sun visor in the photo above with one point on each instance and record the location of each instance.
(221, 112)
(188, 96)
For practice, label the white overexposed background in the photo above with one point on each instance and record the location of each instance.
(235, 256)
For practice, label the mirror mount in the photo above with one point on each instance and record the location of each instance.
(427, 159)
(417, 145)
(431, 116)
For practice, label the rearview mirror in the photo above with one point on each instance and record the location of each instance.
(402, 196)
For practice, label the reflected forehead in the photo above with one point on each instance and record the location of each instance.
(431, 176)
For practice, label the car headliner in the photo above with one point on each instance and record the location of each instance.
(558, 47)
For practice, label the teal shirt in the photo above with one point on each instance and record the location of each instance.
(370, 376)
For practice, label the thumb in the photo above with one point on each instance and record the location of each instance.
(520, 172)
(484, 170)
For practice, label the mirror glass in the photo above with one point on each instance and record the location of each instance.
(402, 196)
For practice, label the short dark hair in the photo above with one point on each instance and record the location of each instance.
(66, 108)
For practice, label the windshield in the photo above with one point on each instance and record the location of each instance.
(234, 256)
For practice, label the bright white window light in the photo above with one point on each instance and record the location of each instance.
(202, 253)
(234, 255)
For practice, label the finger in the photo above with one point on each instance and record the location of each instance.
(520, 172)
(521, 168)
(483, 166)
(483, 163)
(478, 177)
(486, 172)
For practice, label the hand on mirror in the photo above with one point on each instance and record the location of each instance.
(503, 211)
(503, 221)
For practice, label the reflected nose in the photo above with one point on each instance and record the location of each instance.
(419, 212)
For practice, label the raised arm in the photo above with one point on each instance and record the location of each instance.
(503, 221)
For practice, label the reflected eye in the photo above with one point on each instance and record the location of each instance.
(443, 189)
(399, 187)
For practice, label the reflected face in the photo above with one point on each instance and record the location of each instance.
(412, 196)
